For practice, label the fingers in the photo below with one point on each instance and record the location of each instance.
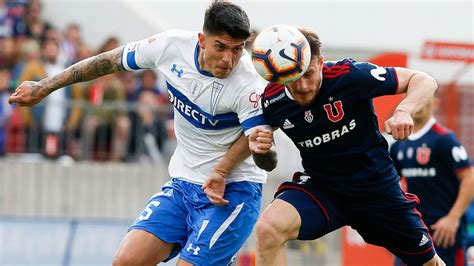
(215, 198)
(398, 130)
(387, 128)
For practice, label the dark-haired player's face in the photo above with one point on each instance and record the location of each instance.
(220, 54)
(305, 89)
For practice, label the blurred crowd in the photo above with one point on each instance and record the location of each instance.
(120, 117)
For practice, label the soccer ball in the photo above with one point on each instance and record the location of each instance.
(281, 54)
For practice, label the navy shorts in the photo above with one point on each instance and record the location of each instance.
(388, 219)
(454, 255)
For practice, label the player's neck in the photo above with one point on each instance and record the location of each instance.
(419, 124)
(202, 64)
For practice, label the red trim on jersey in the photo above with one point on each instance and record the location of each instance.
(335, 75)
(413, 197)
(309, 194)
(440, 129)
(335, 67)
(334, 71)
(396, 79)
(272, 87)
(460, 257)
(273, 92)
(415, 253)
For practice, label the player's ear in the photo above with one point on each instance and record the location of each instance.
(201, 40)
(321, 61)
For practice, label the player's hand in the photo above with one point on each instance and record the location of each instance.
(28, 93)
(214, 187)
(445, 231)
(260, 140)
(400, 125)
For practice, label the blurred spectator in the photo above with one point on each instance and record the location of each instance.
(108, 126)
(5, 108)
(7, 52)
(54, 116)
(32, 25)
(44, 122)
(80, 99)
(71, 43)
(29, 51)
(149, 119)
(6, 21)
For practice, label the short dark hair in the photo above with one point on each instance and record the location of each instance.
(313, 40)
(226, 17)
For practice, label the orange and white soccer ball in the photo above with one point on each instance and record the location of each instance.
(281, 54)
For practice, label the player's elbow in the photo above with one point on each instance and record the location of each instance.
(267, 161)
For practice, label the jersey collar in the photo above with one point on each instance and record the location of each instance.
(423, 130)
(196, 62)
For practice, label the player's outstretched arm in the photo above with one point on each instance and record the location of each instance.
(419, 88)
(30, 93)
(263, 151)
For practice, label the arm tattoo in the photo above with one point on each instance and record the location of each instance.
(91, 68)
(76, 75)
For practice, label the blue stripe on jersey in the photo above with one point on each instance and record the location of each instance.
(196, 116)
(253, 122)
(196, 62)
(131, 60)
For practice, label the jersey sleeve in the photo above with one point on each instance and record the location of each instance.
(249, 109)
(454, 155)
(374, 80)
(145, 54)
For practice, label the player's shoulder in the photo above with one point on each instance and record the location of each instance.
(273, 91)
(335, 69)
(273, 94)
(440, 130)
(171, 37)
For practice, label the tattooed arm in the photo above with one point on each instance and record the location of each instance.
(30, 93)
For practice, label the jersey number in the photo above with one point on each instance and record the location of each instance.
(148, 210)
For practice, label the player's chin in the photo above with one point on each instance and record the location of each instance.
(222, 73)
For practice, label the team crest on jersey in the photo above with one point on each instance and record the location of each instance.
(215, 93)
(334, 110)
(308, 116)
(423, 154)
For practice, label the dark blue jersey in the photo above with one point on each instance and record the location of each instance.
(430, 160)
(337, 134)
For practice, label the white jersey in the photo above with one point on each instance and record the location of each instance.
(210, 113)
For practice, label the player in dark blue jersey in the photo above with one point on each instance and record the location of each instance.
(436, 168)
(349, 177)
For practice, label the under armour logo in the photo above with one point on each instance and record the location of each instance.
(195, 250)
(180, 72)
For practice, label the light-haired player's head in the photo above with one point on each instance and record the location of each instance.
(226, 28)
(305, 88)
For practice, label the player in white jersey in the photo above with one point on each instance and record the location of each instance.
(215, 92)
